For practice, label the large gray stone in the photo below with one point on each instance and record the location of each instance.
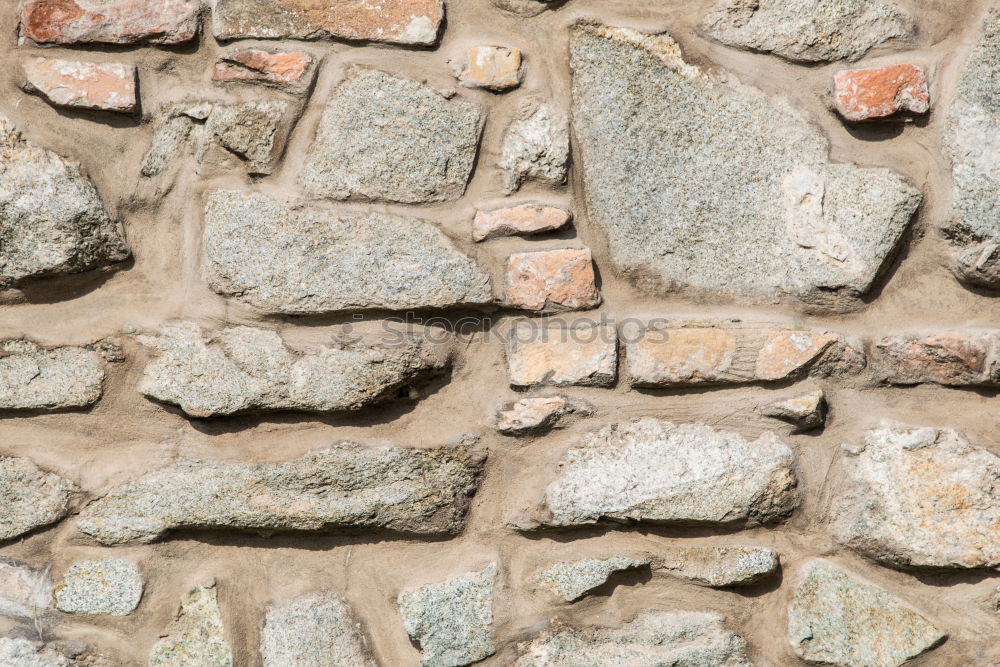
(383, 137)
(309, 261)
(33, 378)
(30, 497)
(25, 592)
(244, 369)
(414, 491)
(107, 586)
(196, 637)
(535, 147)
(834, 619)
(573, 579)
(313, 631)
(52, 220)
(708, 186)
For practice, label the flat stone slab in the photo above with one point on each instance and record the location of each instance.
(949, 358)
(581, 353)
(317, 629)
(522, 219)
(61, 378)
(109, 586)
(83, 85)
(572, 580)
(71, 22)
(196, 637)
(31, 498)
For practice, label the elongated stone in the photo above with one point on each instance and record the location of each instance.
(537, 414)
(33, 378)
(317, 629)
(716, 567)
(70, 22)
(523, 219)
(292, 70)
(196, 637)
(951, 358)
(572, 580)
(30, 497)
(71, 83)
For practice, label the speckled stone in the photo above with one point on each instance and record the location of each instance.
(254, 131)
(196, 637)
(30, 497)
(22, 653)
(805, 412)
(25, 592)
(108, 586)
(716, 567)
(313, 631)
(573, 579)
(33, 378)
(535, 147)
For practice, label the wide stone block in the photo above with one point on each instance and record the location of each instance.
(72, 22)
(83, 85)
(952, 358)
(576, 354)
(60, 378)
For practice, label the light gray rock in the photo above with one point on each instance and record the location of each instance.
(413, 491)
(196, 637)
(451, 622)
(979, 264)
(716, 567)
(308, 261)
(244, 369)
(33, 378)
(708, 186)
(22, 653)
(52, 219)
(535, 146)
(170, 137)
(808, 30)
(313, 631)
(108, 586)
(655, 471)
(835, 619)
(688, 639)
(254, 131)
(386, 138)
(30, 497)
(572, 580)
(25, 592)
(805, 412)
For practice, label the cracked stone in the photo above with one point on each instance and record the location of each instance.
(71, 83)
(535, 147)
(108, 586)
(70, 22)
(30, 497)
(61, 378)
(317, 629)
(292, 70)
(524, 219)
(573, 579)
(25, 592)
(584, 354)
(716, 567)
(805, 412)
(196, 637)
(552, 280)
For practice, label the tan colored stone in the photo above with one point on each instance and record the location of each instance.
(492, 67)
(787, 352)
(70, 83)
(668, 357)
(552, 280)
(515, 220)
(880, 92)
(110, 21)
(804, 412)
(583, 354)
(287, 69)
(536, 414)
(950, 358)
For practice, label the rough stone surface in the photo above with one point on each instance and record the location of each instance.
(308, 261)
(70, 22)
(196, 637)
(394, 21)
(808, 30)
(244, 369)
(382, 137)
(922, 498)
(311, 631)
(108, 586)
(552, 280)
(523, 219)
(71, 83)
(251, 130)
(170, 136)
(708, 186)
(22, 653)
(805, 412)
(418, 491)
(574, 354)
(716, 567)
(33, 378)
(880, 92)
(950, 358)
(52, 220)
(289, 70)
(535, 147)
(451, 622)
(655, 471)
(25, 592)
(979, 264)
(537, 414)
(30, 497)
(835, 619)
(572, 580)
(652, 639)
(490, 67)
(786, 353)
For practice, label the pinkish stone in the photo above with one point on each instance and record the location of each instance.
(867, 94)
(514, 220)
(110, 21)
(552, 280)
(68, 83)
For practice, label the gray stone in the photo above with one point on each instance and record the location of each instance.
(313, 631)
(979, 264)
(808, 30)
(412, 491)
(170, 137)
(33, 378)
(196, 637)
(22, 653)
(254, 131)
(685, 639)
(386, 138)
(574, 579)
(805, 412)
(537, 414)
(834, 619)
(716, 567)
(52, 220)
(244, 369)
(655, 471)
(108, 586)
(535, 146)
(308, 261)
(30, 497)
(25, 592)
(922, 498)
(710, 187)
(451, 622)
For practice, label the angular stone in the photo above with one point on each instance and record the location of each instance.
(196, 637)
(490, 67)
(979, 264)
(650, 470)
(25, 592)
(786, 353)
(552, 280)
(950, 358)
(880, 92)
(808, 30)
(30, 497)
(243, 369)
(413, 491)
(110, 21)
(574, 579)
(835, 619)
(108, 586)
(254, 131)
(393, 21)
(291, 70)
(535, 146)
(71, 83)
(921, 498)
(317, 629)
(300, 261)
(805, 412)
(22, 653)
(451, 622)
(651, 639)
(382, 137)
(537, 414)
(52, 220)
(33, 378)
(578, 354)
(716, 567)
(523, 219)
(727, 192)
(170, 136)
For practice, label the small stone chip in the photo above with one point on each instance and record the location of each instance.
(552, 280)
(30, 497)
(314, 631)
(805, 412)
(524, 219)
(535, 147)
(25, 592)
(71, 83)
(108, 586)
(196, 637)
(72, 22)
(491, 67)
(880, 92)
(583, 354)
(572, 580)
(292, 70)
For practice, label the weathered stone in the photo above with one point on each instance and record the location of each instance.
(196, 637)
(394, 21)
(382, 137)
(535, 146)
(805, 412)
(52, 220)
(951, 358)
(537, 414)
(808, 30)
(574, 579)
(716, 567)
(786, 353)
(451, 622)
(292, 70)
(243, 369)
(170, 136)
(318, 629)
(835, 619)
(922, 498)
(110, 21)
(281, 260)
(108, 586)
(23, 653)
(418, 491)
(25, 592)
(979, 264)
(880, 92)
(577, 354)
(30, 497)
(708, 186)
(652, 639)
(552, 280)
(655, 471)
(523, 219)
(255, 131)
(71, 83)
(33, 378)
(490, 67)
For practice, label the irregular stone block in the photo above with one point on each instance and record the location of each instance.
(16, 652)
(292, 70)
(108, 586)
(300, 261)
(950, 358)
(552, 280)
(787, 352)
(579, 354)
(880, 92)
(71, 83)
(33, 378)
(452, 621)
(491, 67)
(254, 131)
(535, 146)
(70, 22)
(805, 412)
(30, 497)
(386, 138)
(835, 619)
(537, 414)
(808, 31)
(523, 219)
(196, 637)
(243, 369)
(25, 592)
(979, 264)
(574, 579)
(727, 192)
(317, 629)
(170, 136)
(393, 21)
(717, 567)
(418, 491)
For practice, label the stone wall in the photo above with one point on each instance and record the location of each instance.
(511, 332)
